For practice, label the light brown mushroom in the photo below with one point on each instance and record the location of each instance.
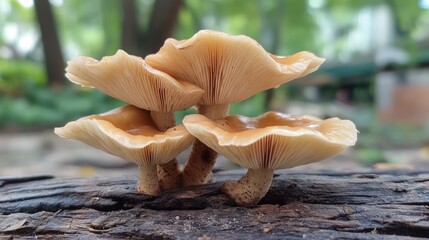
(229, 69)
(132, 80)
(268, 142)
(130, 133)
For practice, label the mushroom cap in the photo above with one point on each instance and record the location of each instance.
(273, 140)
(132, 80)
(129, 132)
(229, 68)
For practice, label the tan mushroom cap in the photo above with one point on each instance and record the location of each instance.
(129, 132)
(273, 140)
(229, 68)
(132, 80)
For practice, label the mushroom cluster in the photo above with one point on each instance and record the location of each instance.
(211, 70)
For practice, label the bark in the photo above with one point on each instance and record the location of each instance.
(54, 61)
(130, 30)
(162, 22)
(161, 25)
(368, 205)
(271, 22)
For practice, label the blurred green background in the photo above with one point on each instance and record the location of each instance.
(376, 73)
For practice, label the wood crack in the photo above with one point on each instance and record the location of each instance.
(297, 206)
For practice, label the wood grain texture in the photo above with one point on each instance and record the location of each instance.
(365, 205)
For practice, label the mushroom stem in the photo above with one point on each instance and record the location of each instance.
(163, 120)
(250, 188)
(200, 163)
(148, 180)
(169, 173)
(214, 112)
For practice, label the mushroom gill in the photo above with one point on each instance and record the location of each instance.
(268, 142)
(132, 80)
(229, 69)
(130, 133)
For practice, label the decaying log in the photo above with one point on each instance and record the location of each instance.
(372, 205)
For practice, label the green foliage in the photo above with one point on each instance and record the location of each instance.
(265, 21)
(407, 14)
(375, 133)
(93, 28)
(403, 134)
(42, 106)
(20, 13)
(111, 24)
(16, 74)
(369, 156)
(294, 38)
(179, 115)
(231, 16)
(251, 107)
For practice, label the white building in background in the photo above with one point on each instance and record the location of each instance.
(368, 37)
(362, 32)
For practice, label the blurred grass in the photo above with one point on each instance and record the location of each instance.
(40, 106)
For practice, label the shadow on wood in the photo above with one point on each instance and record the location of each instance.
(371, 205)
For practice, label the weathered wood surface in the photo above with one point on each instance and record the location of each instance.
(382, 205)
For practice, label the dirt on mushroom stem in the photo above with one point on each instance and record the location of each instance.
(250, 188)
(202, 159)
(148, 181)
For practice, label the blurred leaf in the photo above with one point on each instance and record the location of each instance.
(15, 74)
(179, 115)
(369, 156)
(42, 106)
(251, 107)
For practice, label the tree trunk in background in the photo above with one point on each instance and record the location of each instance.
(271, 25)
(161, 24)
(54, 61)
(162, 21)
(130, 31)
